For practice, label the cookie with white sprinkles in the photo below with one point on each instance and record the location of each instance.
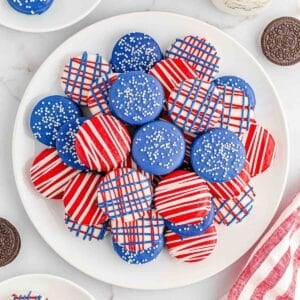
(158, 147)
(136, 98)
(32, 7)
(65, 143)
(218, 155)
(48, 115)
(135, 51)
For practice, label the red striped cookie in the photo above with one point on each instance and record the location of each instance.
(194, 248)
(195, 105)
(79, 74)
(170, 72)
(97, 99)
(102, 143)
(138, 235)
(183, 198)
(231, 188)
(237, 110)
(260, 148)
(50, 175)
(200, 54)
(125, 193)
(234, 209)
(80, 199)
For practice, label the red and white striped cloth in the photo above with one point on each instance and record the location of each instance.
(272, 269)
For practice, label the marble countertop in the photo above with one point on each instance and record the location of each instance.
(20, 56)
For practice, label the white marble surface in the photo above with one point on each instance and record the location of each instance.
(20, 56)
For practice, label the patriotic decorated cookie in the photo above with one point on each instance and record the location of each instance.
(195, 105)
(30, 7)
(65, 143)
(260, 148)
(50, 175)
(140, 234)
(200, 54)
(139, 257)
(232, 188)
(87, 233)
(158, 147)
(125, 193)
(80, 73)
(102, 143)
(97, 99)
(189, 137)
(194, 248)
(237, 111)
(182, 199)
(218, 155)
(237, 83)
(234, 209)
(169, 72)
(80, 200)
(135, 51)
(136, 98)
(49, 115)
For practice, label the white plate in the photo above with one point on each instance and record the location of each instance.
(48, 286)
(61, 14)
(97, 258)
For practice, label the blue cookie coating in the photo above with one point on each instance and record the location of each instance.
(193, 229)
(136, 98)
(140, 257)
(135, 51)
(234, 81)
(158, 147)
(30, 7)
(218, 155)
(65, 143)
(49, 115)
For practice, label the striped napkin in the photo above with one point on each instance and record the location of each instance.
(271, 271)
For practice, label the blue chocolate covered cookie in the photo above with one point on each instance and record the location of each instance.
(136, 98)
(30, 7)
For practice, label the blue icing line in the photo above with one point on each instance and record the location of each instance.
(30, 7)
(65, 143)
(49, 115)
(218, 155)
(140, 257)
(136, 98)
(135, 51)
(192, 229)
(158, 147)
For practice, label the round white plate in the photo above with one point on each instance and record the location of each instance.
(61, 14)
(49, 286)
(98, 258)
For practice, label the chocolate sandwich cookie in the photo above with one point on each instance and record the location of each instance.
(280, 41)
(10, 242)
(32, 7)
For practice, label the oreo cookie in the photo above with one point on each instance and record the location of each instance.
(10, 242)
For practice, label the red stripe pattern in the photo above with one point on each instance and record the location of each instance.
(102, 143)
(138, 235)
(235, 209)
(87, 233)
(200, 54)
(192, 249)
(97, 99)
(231, 188)
(169, 72)
(125, 193)
(271, 271)
(50, 175)
(79, 74)
(260, 148)
(80, 200)
(195, 105)
(236, 110)
(182, 198)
